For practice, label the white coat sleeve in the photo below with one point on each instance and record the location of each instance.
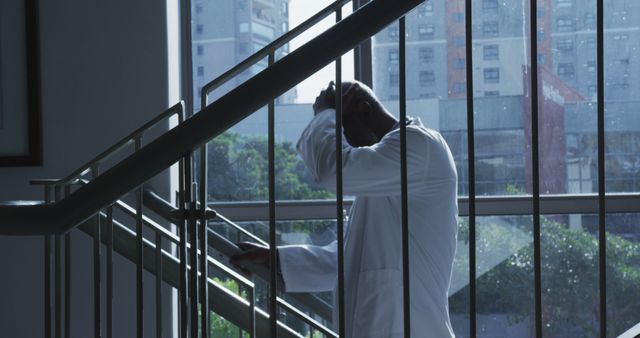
(308, 268)
(367, 171)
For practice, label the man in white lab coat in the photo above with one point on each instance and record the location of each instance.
(373, 244)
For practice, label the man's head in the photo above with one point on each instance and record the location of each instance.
(365, 120)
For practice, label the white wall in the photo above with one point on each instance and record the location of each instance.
(104, 73)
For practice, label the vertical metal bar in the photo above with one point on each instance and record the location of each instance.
(602, 235)
(158, 285)
(273, 287)
(339, 192)
(67, 276)
(187, 60)
(533, 32)
(185, 196)
(403, 181)
(471, 168)
(109, 272)
(97, 304)
(139, 256)
(252, 314)
(47, 273)
(58, 273)
(204, 246)
(193, 264)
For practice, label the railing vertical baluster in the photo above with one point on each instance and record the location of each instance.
(158, 285)
(252, 313)
(403, 182)
(67, 276)
(97, 242)
(533, 32)
(185, 193)
(273, 288)
(204, 246)
(602, 236)
(193, 264)
(47, 273)
(339, 197)
(109, 272)
(139, 255)
(58, 273)
(471, 168)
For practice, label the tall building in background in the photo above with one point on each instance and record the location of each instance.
(239, 28)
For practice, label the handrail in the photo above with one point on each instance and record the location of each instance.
(210, 122)
(227, 248)
(84, 169)
(271, 47)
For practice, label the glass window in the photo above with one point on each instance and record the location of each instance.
(565, 45)
(566, 70)
(425, 54)
(393, 56)
(459, 87)
(490, 52)
(491, 75)
(458, 41)
(590, 21)
(200, 71)
(492, 93)
(490, 28)
(200, 49)
(490, 5)
(426, 31)
(427, 78)
(565, 3)
(426, 8)
(591, 66)
(565, 24)
(458, 63)
(394, 32)
(394, 79)
(458, 17)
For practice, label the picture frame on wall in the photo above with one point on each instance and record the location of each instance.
(20, 99)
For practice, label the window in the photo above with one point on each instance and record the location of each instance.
(394, 79)
(394, 32)
(199, 28)
(393, 56)
(565, 45)
(285, 8)
(621, 37)
(591, 66)
(565, 3)
(592, 90)
(490, 5)
(426, 31)
(491, 75)
(200, 49)
(458, 41)
(490, 52)
(591, 42)
(285, 27)
(458, 63)
(490, 28)
(459, 87)
(590, 21)
(427, 78)
(565, 24)
(458, 17)
(198, 8)
(566, 70)
(426, 8)
(491, 93)
(425, 54)
(200, 71)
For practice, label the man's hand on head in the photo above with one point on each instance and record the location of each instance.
(326, 99)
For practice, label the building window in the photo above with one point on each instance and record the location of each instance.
(490, 28)
(459, 87)
(426, 8)
(200, 71)
(458, 63)
(394, 79)
(565, 24)
(199, 28)
(591, 66)
(427, 78)
(491, 93)
(592, 90)
(458, 17)
(591, 43)
(285, 8)
(565, 3)
(285, 27)
(198, 8)
(490, 52)
(458, 41)
(620, 86)
(491, 75)
(621, 37)
(565, 45)
(566, 70)
(394, 32)
(590, 21)
(490, 5)
(200, 50)
(393, 56)
(425, 54)
(624, 61)
(426, 31)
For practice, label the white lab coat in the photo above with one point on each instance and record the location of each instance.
(373, 245)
